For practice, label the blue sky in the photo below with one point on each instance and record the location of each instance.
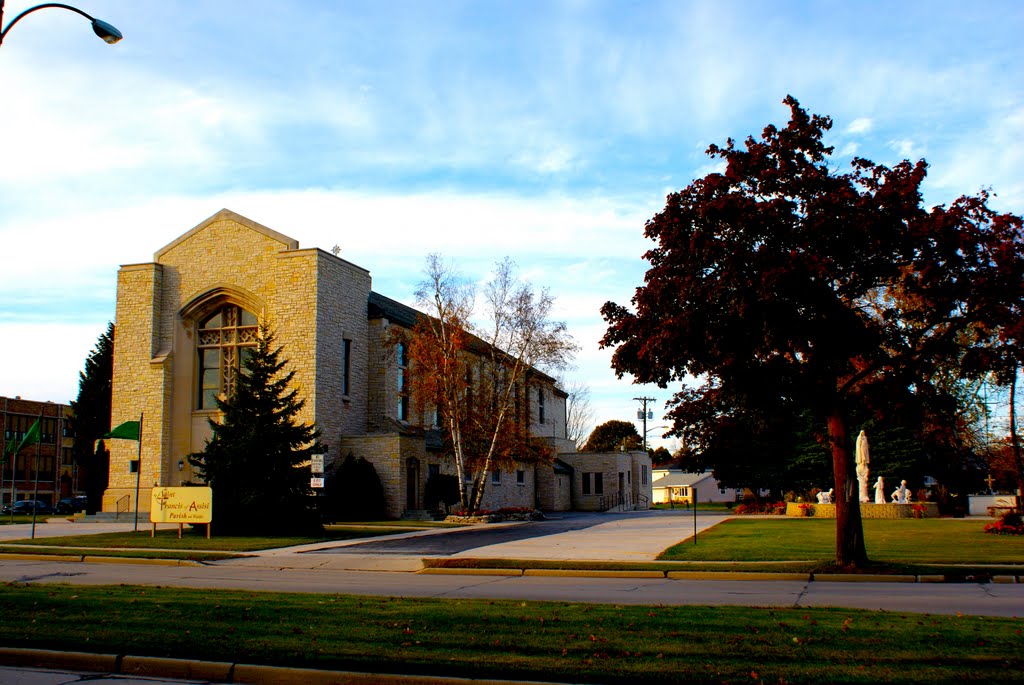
(545, 131)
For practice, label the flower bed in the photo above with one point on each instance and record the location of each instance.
(505, 514)
(1010, 523)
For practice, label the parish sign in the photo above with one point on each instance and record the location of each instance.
(181, 505)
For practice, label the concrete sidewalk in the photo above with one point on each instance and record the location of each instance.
(636, 537)
(623, 537)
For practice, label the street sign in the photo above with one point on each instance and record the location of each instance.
(316, 482)
(316, 463)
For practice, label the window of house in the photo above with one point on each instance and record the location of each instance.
(346, 368)
(496, 477)
(433, 470)
(643, 474)
(520, 477)
(403, 390)
(586, 483)
(540, 405)
(225, 340)
(598, 483)
(133, 466)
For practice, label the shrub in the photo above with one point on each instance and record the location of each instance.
(760, 508)
(1010, 523)
(441, 489)
(354, 492)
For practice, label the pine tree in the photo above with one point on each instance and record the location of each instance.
(253, 462)
(90, 417)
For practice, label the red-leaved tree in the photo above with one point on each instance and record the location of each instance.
(781, 279)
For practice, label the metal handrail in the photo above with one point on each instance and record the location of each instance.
(122, 506)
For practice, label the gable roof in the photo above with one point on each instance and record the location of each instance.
(681, 479)
(227, 215)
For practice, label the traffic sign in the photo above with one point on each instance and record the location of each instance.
(316, 463)
(316, 482)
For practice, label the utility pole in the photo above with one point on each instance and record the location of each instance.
(643, 414)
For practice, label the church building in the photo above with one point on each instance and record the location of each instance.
(186, 320)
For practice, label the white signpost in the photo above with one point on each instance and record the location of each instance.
(316, 463)
(316, 466)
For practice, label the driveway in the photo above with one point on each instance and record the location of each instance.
(634, 536)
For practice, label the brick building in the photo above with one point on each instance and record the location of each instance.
(58, 474)
(185, 321)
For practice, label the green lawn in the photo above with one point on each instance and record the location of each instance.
(513, 639)
(196, 540)
(895, 541)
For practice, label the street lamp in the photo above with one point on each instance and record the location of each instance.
(101, 28)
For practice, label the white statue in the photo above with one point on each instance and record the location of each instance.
(825, 497)
(880, 491)
(901, 495)
(863, 455)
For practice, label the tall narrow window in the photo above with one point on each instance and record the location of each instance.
(540, 405)
(346, 368)
(226, 338)
(586, 483)
(403, 390)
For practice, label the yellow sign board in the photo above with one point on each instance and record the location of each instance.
(181, 505)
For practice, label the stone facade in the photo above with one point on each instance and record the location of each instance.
(182, 322)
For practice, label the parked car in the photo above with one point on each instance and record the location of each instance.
(26, 506)
(72, 505)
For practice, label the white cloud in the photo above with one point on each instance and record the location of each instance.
(861, 125)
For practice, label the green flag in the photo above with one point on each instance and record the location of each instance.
(10, 447)
(129, 430)
(31, 437)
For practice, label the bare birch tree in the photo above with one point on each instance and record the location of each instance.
(477, 376)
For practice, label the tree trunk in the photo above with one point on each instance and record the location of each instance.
(1014, 440)
(850, 550)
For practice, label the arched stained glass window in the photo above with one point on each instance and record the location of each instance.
(225, 339)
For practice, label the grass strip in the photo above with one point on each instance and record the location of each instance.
(896, 542)
(514, 639)
(195, 540)
(119, 553)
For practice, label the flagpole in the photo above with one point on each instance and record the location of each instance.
(138, 474)
(14, 463)
(35, 489)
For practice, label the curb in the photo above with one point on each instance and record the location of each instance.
(709, 575)
(737, 575)
(223, 672)
(92, 559)
(583, 573)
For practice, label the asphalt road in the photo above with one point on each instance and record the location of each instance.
(966, 598)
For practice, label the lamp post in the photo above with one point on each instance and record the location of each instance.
(101, 28)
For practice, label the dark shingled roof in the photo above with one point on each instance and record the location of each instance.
(380, 307)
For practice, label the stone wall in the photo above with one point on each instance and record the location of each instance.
(509, 492)
(868, 510)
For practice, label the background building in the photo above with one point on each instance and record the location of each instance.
(58, 475)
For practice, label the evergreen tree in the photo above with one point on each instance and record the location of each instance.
(90, 418)
(254, 461)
